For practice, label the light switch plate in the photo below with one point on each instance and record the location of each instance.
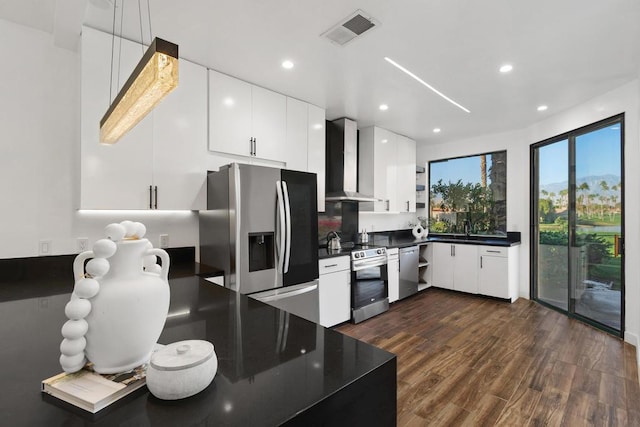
(82, 244)
(164, 240)
(45, 247)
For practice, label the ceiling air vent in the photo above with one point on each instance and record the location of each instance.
(351, 27)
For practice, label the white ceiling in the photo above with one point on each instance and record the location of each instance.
(563, 53)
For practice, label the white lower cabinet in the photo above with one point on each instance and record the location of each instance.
(393, 274)
(498, 272)
(484, 270)
(335, 290)
(455, 267)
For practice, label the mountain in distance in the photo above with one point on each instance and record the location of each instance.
(593, 182)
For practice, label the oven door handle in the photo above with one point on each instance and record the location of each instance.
(368, 264)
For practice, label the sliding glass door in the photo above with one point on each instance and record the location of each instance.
(578, 225)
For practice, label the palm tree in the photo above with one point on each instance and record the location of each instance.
(602, 199)
(584, 187)
(590, 198)
(564, 200)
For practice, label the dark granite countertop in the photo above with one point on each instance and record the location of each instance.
(404, 238)
(308, 375)
(324, 253)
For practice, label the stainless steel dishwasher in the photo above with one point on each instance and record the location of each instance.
(408, 271)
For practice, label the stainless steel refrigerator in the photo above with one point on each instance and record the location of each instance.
(261, 228)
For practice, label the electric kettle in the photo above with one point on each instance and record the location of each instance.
(333, 241)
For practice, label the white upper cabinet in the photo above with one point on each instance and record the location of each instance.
(406, 174)
(180, 142)
(296, 152)
(229, 115)
(316, 141)
(305, 142)
(246, 120)
(387, 170)
(114, 176)
(269, 122)
(158, 164)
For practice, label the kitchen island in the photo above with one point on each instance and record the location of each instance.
(274, 368)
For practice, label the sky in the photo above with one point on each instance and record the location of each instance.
(597, 153)
(466, 168)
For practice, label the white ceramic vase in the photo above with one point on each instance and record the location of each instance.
(129, 312)
(118, 308)
(418, 231)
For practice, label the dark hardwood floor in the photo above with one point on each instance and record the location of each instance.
(468, 360)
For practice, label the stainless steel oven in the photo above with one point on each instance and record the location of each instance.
(369, 283)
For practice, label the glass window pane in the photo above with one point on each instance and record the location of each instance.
(553, 238)
(597, 280)
(469, 191)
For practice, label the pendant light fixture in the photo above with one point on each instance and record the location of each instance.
(152, 79)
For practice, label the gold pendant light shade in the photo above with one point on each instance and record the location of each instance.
(153, 78)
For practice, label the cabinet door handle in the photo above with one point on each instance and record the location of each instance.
(493, 252)
(155, 203)
(407, 205)
(330, 265)
(480, 261)
(388, 205)
(255, 146)
(150, 197)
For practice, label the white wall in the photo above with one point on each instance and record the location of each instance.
(39, 154)
(624, 99)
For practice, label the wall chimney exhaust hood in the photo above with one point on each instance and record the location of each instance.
(342, 163)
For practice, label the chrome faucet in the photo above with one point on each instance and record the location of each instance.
(467, 227)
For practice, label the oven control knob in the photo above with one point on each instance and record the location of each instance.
(357, 254)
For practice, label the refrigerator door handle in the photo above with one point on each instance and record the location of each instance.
(282, 295)
(287, 213)
(280, 226)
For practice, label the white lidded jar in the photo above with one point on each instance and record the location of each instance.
(181, 369)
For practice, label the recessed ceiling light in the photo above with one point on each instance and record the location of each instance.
(228, 101)
(506, 68)
(384, 141)
(418, 79)
(384, 107)
(436, 130)
(542, 108)
(287, 64)
(317, 126)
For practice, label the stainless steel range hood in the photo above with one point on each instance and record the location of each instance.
(342, 162)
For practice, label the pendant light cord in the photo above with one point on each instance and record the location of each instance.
(120, 42)
(113, 39)
(149, 18)
(140, 19)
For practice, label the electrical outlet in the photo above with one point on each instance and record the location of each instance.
(45, 248)
(82, 244)
(164, 240)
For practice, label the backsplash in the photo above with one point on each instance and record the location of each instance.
(382, 221)
(341, 217)
(345, 218)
